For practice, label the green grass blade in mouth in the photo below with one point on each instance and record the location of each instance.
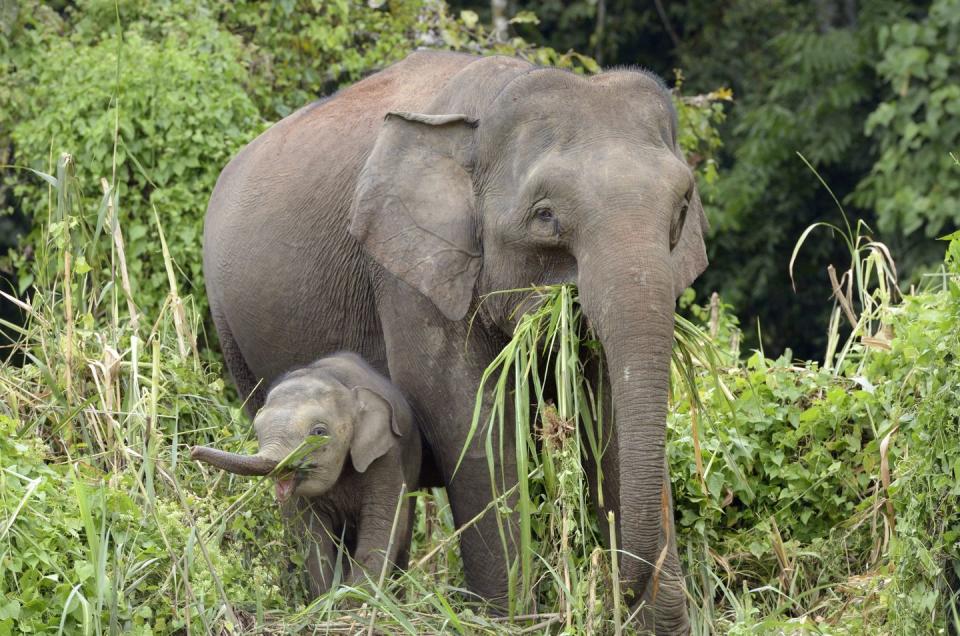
(295, 460)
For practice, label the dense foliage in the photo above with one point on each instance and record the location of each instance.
(182, 114)
(913, 185)
(836, 487)
(810, 496)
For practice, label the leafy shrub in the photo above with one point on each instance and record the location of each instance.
(913, 185)
(182, 114)
(812, 485)
(920, 406)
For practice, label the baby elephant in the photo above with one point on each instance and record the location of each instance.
(339, 406)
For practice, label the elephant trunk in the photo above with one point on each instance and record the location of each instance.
(629, 301)
(234, 463)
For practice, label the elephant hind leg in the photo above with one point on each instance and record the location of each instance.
(250, 389)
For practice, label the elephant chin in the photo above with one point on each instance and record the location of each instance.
(254, 465)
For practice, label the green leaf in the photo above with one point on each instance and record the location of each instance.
(469, 18)
(525, 17)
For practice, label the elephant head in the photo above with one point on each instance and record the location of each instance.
(334, 420)
(549, 177)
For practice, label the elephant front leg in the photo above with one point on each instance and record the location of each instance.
(480, 488)
(321, 551)
(439, 365)
(488, 546)
(383, 532)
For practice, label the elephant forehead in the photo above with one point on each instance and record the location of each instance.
(295, 419)
(562, 111)
(602, 168)
(300, 388)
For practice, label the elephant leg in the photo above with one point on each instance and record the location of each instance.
(440, 375)
(320, 543)
(376, 538)
(487, 546)
(408, 516)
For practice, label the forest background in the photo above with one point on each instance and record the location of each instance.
(778, 100)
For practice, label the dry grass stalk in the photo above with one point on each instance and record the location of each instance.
(121, 254)
(844, 298)
(786, 565)
(714, 315)
(885, 475)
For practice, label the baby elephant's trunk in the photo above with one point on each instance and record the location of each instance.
(232, 462)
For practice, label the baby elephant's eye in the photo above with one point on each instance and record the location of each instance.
(319, 429)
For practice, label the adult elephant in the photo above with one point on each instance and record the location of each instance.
(376, 220)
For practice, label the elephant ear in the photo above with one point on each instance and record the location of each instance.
(375, 429)
(413, 208)
(689, 256)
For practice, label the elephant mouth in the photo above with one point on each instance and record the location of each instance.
(285, 487)
(286, 484)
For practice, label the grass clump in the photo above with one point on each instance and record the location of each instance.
(540, 390)
(105, 528)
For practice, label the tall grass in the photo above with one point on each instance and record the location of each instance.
(554, 429)
(547, 391)
(863, 293)
(114, 395)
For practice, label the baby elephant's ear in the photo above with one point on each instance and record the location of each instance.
(375, 428)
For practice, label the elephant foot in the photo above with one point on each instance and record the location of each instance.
(664, 613)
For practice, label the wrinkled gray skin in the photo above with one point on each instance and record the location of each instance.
(377, 219)
(356, 412)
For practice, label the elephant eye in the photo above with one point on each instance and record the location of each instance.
(544, 221)
(319, 429)
(544, 215)
(676, 227)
